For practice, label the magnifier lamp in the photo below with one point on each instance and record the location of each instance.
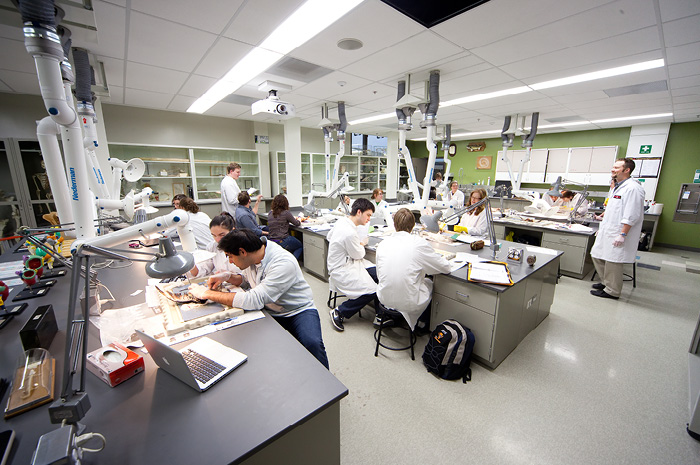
(556, 192)
(431, 221)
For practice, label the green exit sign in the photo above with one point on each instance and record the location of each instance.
(645, 149)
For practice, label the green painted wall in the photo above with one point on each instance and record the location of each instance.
(681, 159)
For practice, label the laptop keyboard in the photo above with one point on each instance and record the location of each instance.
(203, 368)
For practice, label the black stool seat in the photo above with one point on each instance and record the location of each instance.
(390, 312)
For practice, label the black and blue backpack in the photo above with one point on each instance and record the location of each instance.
(448, 353)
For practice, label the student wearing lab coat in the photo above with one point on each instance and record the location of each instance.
(618, 235)
(455, 197)
(199, 221)
(403, 260)
(347, 269)
(378, 199)
(475, 221)
(219, 226)
(344, 200)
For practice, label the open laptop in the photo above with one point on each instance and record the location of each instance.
(199, 365)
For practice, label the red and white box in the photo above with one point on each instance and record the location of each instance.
(114, 363)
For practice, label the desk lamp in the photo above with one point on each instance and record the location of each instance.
(74, 403)
(431, 221)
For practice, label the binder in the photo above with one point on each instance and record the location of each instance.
(491, 272)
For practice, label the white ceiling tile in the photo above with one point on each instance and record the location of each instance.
(496, 20)
(374, 16)
(145, 77)
(695, 106)
(221, 57)
(116, 2)
(194, 14)
(404, 57)
(690, 81)
(4, 87)
(259, 18)
(166, 44)
(676, 9)
(689, 68)
(329, 85)
(683, 53)
(685, 91)
(181, 103)
(14, 52)
(580, 97)
(617, 47)
(641, 77)
(116, 95)
(21, 83)
(196, 86)
(472, 83)
(682, 31)
(147, 99)
(114, 70)
(11, 25)
(597, 23)
(230, 110)
(687, 98)
(111, 30)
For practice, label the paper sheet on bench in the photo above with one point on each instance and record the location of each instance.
(489, 272)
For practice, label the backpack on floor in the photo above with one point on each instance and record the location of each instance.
(448, 353)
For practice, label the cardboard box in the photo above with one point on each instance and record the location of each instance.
(114, 363)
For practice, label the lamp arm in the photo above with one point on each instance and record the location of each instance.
(463, 210)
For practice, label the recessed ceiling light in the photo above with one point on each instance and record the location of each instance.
(350, 44)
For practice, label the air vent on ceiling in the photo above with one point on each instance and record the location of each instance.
(239, 100)
(646, 88)
(565, 119)
(430, 14)
(298, 70)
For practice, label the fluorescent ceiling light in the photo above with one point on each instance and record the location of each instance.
(308, 20)
(564, 124)
(480, 133)
(631, 118)
(599, 74)
(369, 119)
(477, 97)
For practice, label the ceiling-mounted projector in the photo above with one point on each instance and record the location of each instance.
(273, 105)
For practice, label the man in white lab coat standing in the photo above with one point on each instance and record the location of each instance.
(230, 189)
(618, 236)
(347, 269)
(403, 260)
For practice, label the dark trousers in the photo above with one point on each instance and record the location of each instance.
(306, 328)
(352, 306)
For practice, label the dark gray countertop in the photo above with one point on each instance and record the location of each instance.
(155, 418)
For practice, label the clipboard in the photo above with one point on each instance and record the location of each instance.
(491, 272)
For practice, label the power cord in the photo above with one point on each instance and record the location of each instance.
(83, 438)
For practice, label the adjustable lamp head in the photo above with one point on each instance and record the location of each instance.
(169, 262)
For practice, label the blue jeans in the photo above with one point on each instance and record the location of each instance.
(352, 306)
(293, 245)
(306, 328)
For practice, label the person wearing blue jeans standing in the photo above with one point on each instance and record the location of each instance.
(278, 222)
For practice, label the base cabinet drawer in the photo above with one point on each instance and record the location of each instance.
(573, 258)
(565, 239)
(480, 323)
(315, 259)
(469, 294)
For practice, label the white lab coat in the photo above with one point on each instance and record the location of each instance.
(200, 227)
(217, 264)
(379, 206)
(477, 225)
(456, 199)
(403, 260)
(347, 271)
(229, 195)
(582, 210)
(625, 206)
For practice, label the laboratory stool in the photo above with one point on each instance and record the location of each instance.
(378, 332)
(333, 296)
(632, 277)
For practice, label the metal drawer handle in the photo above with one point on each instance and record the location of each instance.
(466, 296)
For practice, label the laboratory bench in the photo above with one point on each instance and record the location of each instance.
(280, 406)
(499, 316)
